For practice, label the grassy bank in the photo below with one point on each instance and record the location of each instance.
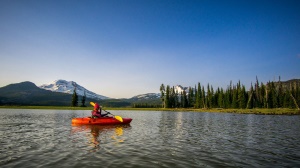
(275, 111)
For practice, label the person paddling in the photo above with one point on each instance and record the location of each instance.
(97, 111)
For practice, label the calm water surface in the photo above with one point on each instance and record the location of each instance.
(46, 138)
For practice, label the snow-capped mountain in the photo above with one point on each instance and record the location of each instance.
(147, 96)
(68, 87)
(179, 89)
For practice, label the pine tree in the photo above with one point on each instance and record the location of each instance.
(287, 102)
(227, 103)
(167, 98)
(257, 101)
(185, 100)
(220, 98)
(74, 98)
(181, 100)
(83, 100)
(196, 105)
(177, 99)
(250, 98)
(234, 103)
(293, 95)
(198, 96)
(209, 97)
(162, 94)
(263, 96)
(203, 98)
(172, 97)
(242, 97)
(280, 94)
(297, 96)
(190, 97)
(212, 97)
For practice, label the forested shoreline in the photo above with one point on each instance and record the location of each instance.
(235, 96)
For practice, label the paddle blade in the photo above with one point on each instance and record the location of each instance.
(92, 103)
(119, 118)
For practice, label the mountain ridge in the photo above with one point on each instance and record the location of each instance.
(64, 86)
(27, 93)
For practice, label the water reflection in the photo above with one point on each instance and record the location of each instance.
(97, 135)
(155, 139)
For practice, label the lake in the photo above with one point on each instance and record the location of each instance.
(46, 138)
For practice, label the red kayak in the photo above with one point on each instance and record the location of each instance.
(100, 121)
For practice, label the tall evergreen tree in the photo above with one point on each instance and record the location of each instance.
(190, 97)
(260, 95)
(297, 96)
(234, 103)
(242, 97)
(250, 98)
(177, 104)
(184, 99)
(167, 98)
(263, 94)
(209, 97)
(162, 94)
(198, 96)
(172, 97)
(74, 98)
(280, 94)
(83, 100)
(203, 98)
(212, 97)
(220, 98)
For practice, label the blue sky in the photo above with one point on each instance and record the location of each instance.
(121, 48)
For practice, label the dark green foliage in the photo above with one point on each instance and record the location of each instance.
(271, 95)
(115, 103)
(27, 93)
(162, 94)
(191, 97)
(83, 100)
(167, 97)
(74, 99)
(184, 100)
(198, 96)
(145, 105)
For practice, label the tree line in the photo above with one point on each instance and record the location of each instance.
(260, 95)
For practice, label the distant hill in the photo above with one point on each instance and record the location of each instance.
(287, 84)
(27, 93)
(149, 98)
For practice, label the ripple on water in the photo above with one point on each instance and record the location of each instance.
(154, 139)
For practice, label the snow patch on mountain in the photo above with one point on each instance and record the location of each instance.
(179, 89)
(147, 96)
(64, 86)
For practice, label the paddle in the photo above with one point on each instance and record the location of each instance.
(119, 118)
(92, 103)
(116, 117)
